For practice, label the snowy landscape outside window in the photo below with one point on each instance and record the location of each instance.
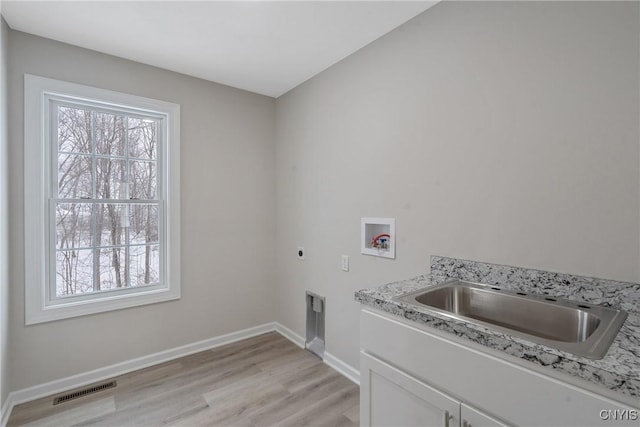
(102, 200)
(107, 211)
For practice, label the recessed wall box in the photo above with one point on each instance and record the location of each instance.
(315, 324)
(378, 237)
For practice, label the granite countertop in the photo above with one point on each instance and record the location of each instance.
(618, 371)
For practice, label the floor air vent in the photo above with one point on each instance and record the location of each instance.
(85, 391)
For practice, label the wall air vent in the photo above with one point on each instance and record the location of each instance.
(84, 392)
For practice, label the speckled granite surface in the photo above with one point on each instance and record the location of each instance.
(619, 370)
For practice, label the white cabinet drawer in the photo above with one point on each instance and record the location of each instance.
(471, 417)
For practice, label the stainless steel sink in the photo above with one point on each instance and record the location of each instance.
(583, 329)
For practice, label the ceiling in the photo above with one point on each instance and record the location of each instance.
(267, 47)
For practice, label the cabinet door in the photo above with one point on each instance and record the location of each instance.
(473, 418)
(390, 397)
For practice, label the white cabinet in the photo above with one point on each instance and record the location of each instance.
(412, 376)
(394, 398)
(390, 397)
(473, 418)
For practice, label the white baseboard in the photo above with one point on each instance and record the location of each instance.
(7, 407)
(347, 370)
(100, 374)
(57, 386)
(290, 335)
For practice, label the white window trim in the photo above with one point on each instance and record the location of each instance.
(37, 175)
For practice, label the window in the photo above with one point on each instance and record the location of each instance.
(101, 200)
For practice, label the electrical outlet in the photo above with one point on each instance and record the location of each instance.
(345, 263)
(300, 252)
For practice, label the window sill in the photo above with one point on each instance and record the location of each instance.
(99, 305)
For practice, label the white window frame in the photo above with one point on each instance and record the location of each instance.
(39, 306)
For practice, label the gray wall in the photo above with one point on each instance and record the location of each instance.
(501, 132)
(227, 216)
(4, 218)
(504, 132)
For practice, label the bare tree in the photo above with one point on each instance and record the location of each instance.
(95, 162)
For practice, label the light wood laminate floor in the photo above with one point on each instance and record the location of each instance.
(261, 381)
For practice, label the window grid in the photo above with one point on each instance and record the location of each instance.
(99, 203)
(94, 193)
(108, 156)
(85, 248)
(152, 202)
(127, 274)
